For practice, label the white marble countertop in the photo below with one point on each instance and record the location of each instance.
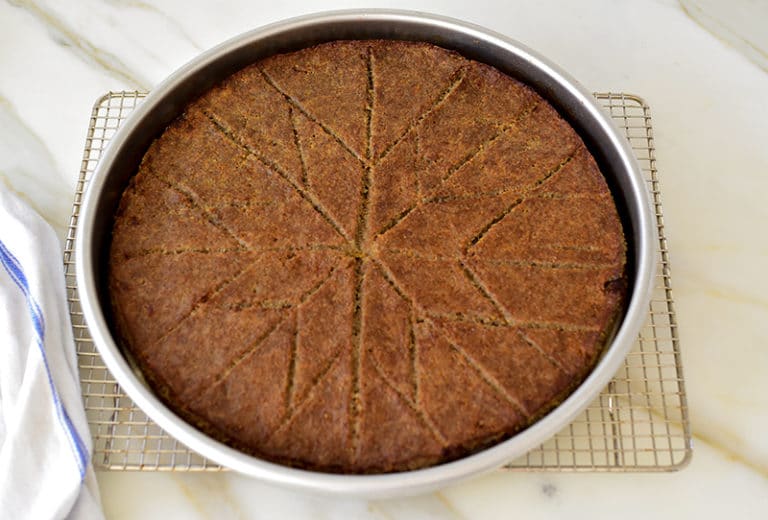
(703, 68)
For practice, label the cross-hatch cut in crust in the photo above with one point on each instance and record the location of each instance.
(366, 256)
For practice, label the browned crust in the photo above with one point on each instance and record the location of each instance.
(366, 256)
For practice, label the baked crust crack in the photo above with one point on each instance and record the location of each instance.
(196, 202)
(545, 264)
(299, 148)
(467, 159)
(541, 351)
(220, 250)
(203, 299)
(498, 218)
(291, 310)
(486, 376)
(414, 406)
(291, 379)
(308, 398)
(476, 282)
(479, 149)
(298, 106)
(355, 359)
(487, 321)
(186, 250)
(303, 193)
(459, 75)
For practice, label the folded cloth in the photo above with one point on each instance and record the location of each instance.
(45, 446)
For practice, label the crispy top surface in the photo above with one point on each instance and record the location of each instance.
(366, 256)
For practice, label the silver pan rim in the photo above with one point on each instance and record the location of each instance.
(569, 94)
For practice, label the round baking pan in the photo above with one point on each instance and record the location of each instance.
(168, 100)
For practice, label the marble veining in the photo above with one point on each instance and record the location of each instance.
(28, 169)
(64, 35)
(711, 125)
(741, 23)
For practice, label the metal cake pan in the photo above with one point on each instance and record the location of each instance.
(168, 100)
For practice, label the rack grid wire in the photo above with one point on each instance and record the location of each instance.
(638, 423)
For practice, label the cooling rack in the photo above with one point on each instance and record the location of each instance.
(638, 423)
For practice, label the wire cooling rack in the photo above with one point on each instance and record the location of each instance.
(638, 423)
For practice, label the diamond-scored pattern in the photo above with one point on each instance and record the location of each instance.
(517, 381)
(639, 415)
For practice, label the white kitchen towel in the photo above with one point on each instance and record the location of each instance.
(45, 446)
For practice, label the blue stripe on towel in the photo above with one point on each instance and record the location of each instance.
(16, 273)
